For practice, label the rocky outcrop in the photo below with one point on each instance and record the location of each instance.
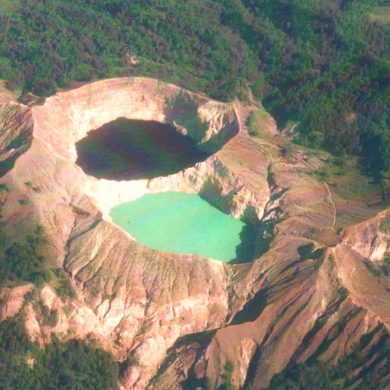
(12, 300)
(176, 319)
(15, 133)
(136, 301)
(371, 238)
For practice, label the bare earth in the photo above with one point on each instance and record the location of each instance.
(140, 303)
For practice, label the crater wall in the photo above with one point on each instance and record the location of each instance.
(175, 320)
(71, 115)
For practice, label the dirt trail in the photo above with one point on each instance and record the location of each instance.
(331, 201)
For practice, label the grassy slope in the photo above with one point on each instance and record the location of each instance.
(380, 14)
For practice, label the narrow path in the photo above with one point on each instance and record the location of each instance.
(331, 201)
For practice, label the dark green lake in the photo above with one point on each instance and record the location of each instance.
(134, 149)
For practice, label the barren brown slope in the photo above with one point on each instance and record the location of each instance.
(175, 320)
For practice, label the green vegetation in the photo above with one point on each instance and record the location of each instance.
(324, 376)
(307, 251)
(227, 377)
(4, 188)
(49, 317)
(72, 365)
(322, 64)
(380, 270)
(384, 225)
(255, 121)
(25, 261)
(23, 202)
(386, 264)
(348, 181)
(320, 376)
(18, 134)
(48, 44)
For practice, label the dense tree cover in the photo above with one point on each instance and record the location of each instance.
(332, 75)
(25, 261)
(72, 365)
(348, 372)
(45, 44)
(324, 64)
(319, 376)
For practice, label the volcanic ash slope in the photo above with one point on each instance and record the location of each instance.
(175, 320)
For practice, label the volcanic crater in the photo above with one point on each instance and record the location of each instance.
(128, 149)
(174, 318)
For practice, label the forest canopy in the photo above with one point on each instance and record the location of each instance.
(72, 365)
(322, 64)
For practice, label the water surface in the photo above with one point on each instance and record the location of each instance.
(127, 149)
(185, 223)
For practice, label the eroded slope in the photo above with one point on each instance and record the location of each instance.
(177, 320)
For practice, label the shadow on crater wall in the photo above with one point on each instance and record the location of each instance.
(256, 239)
(127, 149)
(15, 135)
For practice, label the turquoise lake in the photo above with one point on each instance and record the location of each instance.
(184, 223)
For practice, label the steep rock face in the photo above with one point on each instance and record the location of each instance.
(371, 238)
(15, 133)
(71, 115)
(181, 320)
(136, 301)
